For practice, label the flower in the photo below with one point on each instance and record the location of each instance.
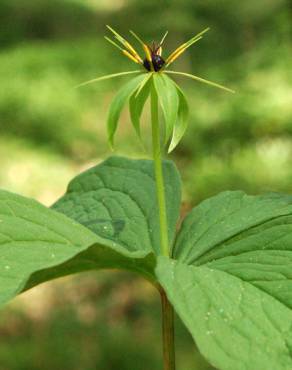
(153, 74)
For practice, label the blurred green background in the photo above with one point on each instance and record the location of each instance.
(50, 131)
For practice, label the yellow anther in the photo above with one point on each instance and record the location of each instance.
(173, 57)
(130, 56)
(177, 52)
(147, 52)
(133, 52)
(130, 48)
(174, 53)
(127, 45)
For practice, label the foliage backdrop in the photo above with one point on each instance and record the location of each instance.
(49, 131)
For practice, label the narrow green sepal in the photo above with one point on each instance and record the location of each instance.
(107, 77)
(197, 78)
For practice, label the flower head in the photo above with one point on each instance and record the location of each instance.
(153, 74)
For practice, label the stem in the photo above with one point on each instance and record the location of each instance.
(167, 310)
(167, 333)
(156, 148)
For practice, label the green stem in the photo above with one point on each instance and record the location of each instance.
(156, 148)
(167, 310)
(167, 333)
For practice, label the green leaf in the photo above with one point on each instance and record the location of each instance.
(117, 201)
(181, 123)
(210, 230)
(169, 101)
(246, 236)
(37, 244)
(137, 102)
(232, 284)
(118, 103)
(235, 325)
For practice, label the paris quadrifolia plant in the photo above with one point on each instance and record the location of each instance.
(225, 269)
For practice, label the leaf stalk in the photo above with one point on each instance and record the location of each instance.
(167, 333)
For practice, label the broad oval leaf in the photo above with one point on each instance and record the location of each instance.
(235, 325)
(210, 229)
(169, 101)
(38, 244)
(118, 104)
(234, 255)
(117, 201)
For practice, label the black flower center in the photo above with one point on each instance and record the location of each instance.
(157, 62)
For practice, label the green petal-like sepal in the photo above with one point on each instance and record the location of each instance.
(137, 102)
(168, 100)
(118, 103)
(181, 123)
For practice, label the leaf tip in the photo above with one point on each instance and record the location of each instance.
(111, 144)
